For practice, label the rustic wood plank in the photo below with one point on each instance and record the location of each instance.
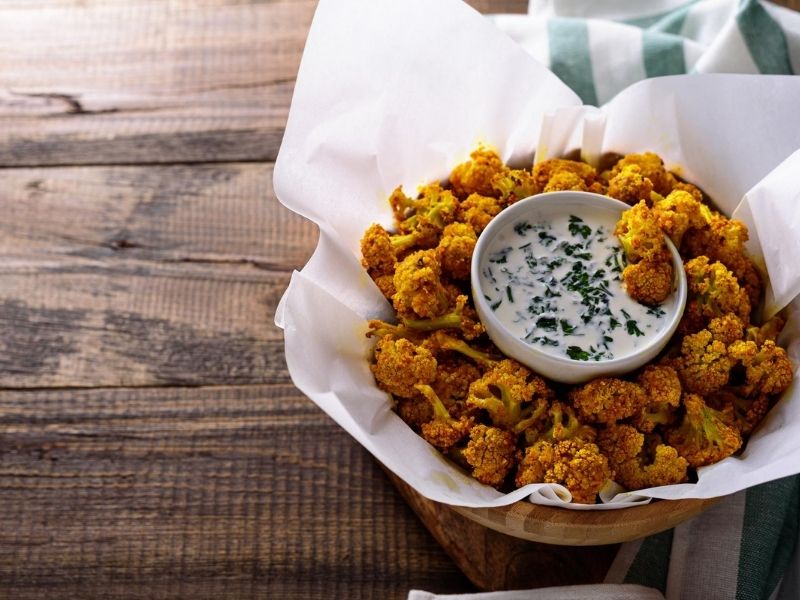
(134, 276)
(148, 82)
(224, 213)
(199, 493)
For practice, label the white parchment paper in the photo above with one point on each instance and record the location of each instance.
(400, 91)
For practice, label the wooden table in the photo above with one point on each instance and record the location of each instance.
(151, 442)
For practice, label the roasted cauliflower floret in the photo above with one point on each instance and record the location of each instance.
(713, 292)
(663, 390)
(455, 250)
(514, 184)
(768, 369)
(418, 282)
(558, 424)
(608, 400)
(544, 171)
(579, 466)
(477, 211)
(747, 412)
(443, 431)
(651, 166)
(513, 397)
(705, 435)
(638, 464)
(476, 175)
(677, 213)
(400, 365)
(630, 186)
(649, 281)
(704, 365)
(491, 453)
(640, 235)
(565, 181)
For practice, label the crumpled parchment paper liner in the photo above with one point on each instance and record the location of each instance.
(398, 92)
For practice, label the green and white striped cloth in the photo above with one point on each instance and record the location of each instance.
(745, 547)
(599, 48)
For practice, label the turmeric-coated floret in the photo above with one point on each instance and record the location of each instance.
(377, 252)
(477, 211)
(455, 250)
(677, 213)
(420, 221)
(579, 466)
(704, 365)
(544, 171)
(476, 175)
(640, 461)
(766, 331)
(440, 342)
(663, 390)
(514, 184)
(651, 167)
(400, 365)
(768, 369)
(420, 292)
(558, 424)
(491, 453)
(640, 235)
(513, 397)
(705, 435)
(630, 186)
(608, 400)
(714, 291)
(414, 411)
(649, 281)
(565, 181)
(695, 191)
(747, 412)
(443, 431)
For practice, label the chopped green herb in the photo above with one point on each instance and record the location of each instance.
(508, 293)
(566, 327)
(545, 238)
(497, 304)
(578, 228)
(577, 353)
(656, 311)
(548, 323)
(522, 227)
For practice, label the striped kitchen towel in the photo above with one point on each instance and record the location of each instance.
(599, 48)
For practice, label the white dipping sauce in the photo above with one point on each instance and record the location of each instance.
(557, 286)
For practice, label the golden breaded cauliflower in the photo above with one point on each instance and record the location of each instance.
(418, 282)
(638, 465)
(455, 250)
(476, 175)
(608, 400)
(705, 435)
(651, 167)
(630, 186)
(491, 453)
(400, 365)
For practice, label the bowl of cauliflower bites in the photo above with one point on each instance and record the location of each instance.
(506, 425)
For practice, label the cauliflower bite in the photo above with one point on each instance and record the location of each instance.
(723, 240)
(747, 412)
(491, 453)
(420, 221)
(565, 181)
(704, 365)
(677, 213)
(579, 466)
(630, 186)
(514, 184)
(704, 437)
(768, 369)
(455, 250)
(662, 388)
(651, 166)
(513, 397)
(640, 235)
(477, 211)
(400, 365)
(713, 292)
(608, 400)
(420, 292)
(649, 281)
(544, 172)
(477, 174)
(443, 431)
(638, 465)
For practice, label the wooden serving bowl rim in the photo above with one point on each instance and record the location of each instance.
(554, 525)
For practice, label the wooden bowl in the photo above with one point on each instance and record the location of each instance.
(552, 525)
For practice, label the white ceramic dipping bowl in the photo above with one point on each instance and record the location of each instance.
(544, 208)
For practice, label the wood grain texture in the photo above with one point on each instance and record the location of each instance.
(236, 492)
(135, 276)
